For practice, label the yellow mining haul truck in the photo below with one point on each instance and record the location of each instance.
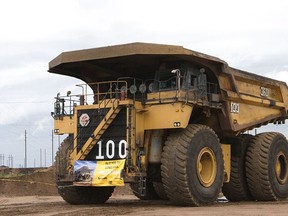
(172, 123)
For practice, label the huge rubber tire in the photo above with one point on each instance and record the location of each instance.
(61, 159)
(160, 190)
(76, 194)
(267, 168)
(192, 166)
(150, 193)
(237, 189)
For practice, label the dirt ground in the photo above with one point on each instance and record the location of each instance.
(35, 194)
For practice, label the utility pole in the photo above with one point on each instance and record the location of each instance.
(25, 159)
(40, 157)
(44, 157)
(10, 161)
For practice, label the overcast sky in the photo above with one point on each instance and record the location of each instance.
(249, 35)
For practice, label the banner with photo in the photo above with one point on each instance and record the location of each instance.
(98, 173)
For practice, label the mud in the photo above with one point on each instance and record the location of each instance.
(129, 205)
(36, 194)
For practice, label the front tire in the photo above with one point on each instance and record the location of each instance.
(192, 166)
(76, 195)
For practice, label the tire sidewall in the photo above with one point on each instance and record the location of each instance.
(204, 138)
(278, 145)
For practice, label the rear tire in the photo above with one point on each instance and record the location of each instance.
(192, 166)
(237, 189)
(160, 190)
(150, 193)
(76, 194)
(267, 168)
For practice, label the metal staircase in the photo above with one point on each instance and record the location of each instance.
(96, 135)
(130, 134)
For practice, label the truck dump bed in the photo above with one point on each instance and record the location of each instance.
(248, 100)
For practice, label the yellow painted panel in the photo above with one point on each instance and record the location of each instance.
(64, 125)
(226, 149)
(161, 95)
(163, 116)
(253, 87)
(250, 115)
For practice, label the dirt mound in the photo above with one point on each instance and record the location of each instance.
(28, 182)
(35, 182)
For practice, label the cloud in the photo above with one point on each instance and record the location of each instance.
(40, 125)
(247, 35)
(279, 75)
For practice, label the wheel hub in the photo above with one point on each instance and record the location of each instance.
(206, 167)
(281, 168)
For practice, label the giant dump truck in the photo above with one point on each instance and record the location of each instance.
(172, 123)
